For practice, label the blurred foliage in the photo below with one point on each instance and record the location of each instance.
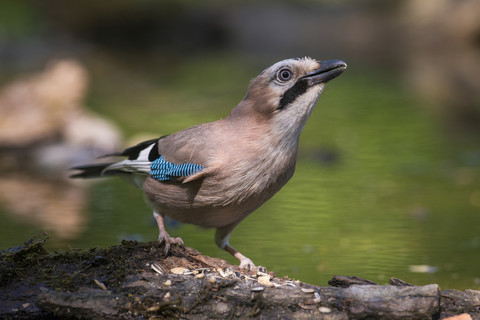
(18, 19)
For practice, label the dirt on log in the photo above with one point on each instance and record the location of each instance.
(134, 281)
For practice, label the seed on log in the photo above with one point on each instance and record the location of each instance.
(324, 310)
(178, 270)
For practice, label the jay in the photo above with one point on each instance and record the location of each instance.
(215, 174)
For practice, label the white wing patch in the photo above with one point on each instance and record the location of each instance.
(130, 166)
(143, 155)
(140, 165)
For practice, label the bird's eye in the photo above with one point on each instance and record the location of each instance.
(284, 75)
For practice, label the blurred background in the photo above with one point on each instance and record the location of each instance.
(388, 177)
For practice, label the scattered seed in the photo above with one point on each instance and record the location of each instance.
(324, 310)
(153, 309)
(158, 268)
(168, 283)
(220, 271)
(101, 285)
(226, 272)
(212, 279)
(179, 270)
(265, 280)
(308, 290)
(258, 289)
(167, 295)
(25, 305)
(262, 274)
(200, 275)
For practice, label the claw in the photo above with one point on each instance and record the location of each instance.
(167, 240)
(164, 237)
(246, 263)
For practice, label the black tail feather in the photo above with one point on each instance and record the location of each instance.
(90, 170)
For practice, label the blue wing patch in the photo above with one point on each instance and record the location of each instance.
(163, 170)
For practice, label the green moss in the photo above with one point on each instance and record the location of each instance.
(72, 269)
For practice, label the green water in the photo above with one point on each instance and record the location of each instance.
(379, 186)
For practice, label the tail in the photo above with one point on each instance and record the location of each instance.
(91, 170)
(136, 167)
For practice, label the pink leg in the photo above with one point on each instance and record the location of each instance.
(245, 263)
(163, 236)
(221, 239)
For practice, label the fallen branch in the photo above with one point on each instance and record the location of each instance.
(133, 280)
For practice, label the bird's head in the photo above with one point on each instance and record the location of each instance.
(285, 93)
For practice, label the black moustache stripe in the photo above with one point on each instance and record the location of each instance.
(291, 94)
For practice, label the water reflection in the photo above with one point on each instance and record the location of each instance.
(54, 206)
(45, 129)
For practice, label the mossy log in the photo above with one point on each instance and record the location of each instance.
(134, 281)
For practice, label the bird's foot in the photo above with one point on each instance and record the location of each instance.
(247, 264)
(167, 240)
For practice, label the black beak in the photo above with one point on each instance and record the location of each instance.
(328, 70)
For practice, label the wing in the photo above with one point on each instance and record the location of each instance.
(183, 156)
(163, 170)
(192, 152)
(142, 160)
